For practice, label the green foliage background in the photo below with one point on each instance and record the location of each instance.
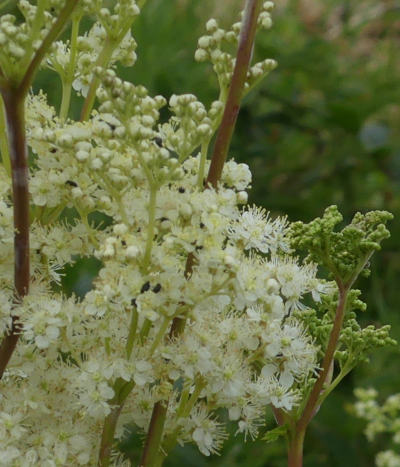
(321, 129)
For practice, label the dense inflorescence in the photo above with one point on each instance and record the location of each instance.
(249, 339)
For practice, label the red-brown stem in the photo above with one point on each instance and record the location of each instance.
(107, 436)
(222, 143)
(224, 136)
(154, 435)
(14, 104)
(160, 408)
(310, 407)
(279, 416)
(225, 132)
(15, 116)
(295, 449)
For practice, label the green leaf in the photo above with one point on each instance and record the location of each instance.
(272, 435)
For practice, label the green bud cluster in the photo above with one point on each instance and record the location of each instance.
(355, 343)
(318, 325)
(345, 253)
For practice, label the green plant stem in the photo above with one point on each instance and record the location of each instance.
(158, 416)
(185, 394)
(85, 222)
(69, 78)
(235, 94)
(152, 445)
(345, 371)
(122, 390)
(102, 60)
(312, 402)
(65, 100)
(144, 332)
(160, 334)
(150, 228)
(5, 154)
(185, 407)
(202, 165)
(199, 386)
(132, 332)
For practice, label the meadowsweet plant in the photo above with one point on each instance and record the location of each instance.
(383, 418)
(202, 311)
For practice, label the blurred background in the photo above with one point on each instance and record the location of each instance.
(321, 129)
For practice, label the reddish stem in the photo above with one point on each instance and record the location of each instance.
(310, 407)
(107, 436)
(15, 115)
(221, 147)
(243, 57)
(154, 435)
(14, 104)
(295, 450)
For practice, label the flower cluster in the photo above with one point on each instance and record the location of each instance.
(383, 418)
(174, 254)
(214, 47)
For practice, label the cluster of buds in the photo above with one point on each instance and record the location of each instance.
(189, 126)
(216, 47)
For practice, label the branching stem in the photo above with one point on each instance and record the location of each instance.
(54, 32)
(297, 433)
(224, 136)
(310, 407)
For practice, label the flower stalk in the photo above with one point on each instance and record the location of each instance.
(14, 104)
(236, 89)
(154, 435)
(107, 436)
(224, 137)
(312, 403)
(69, 76)
(14, 95)
(295, 449)
(296, 436)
